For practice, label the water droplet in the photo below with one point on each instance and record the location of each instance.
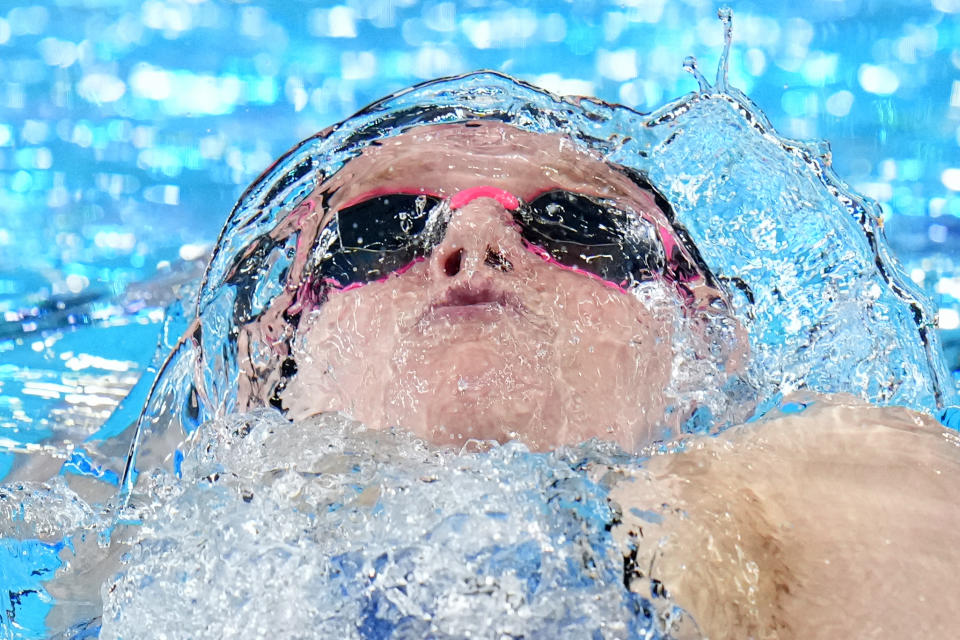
(726, 15)
(690, 66)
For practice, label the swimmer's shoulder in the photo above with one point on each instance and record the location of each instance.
(837, 521)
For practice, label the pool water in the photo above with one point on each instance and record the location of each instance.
(353, 533)
(137, 159)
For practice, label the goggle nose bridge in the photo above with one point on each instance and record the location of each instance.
(464, 197)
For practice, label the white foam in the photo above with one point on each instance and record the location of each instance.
(326, 529)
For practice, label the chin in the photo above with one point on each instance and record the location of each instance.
(474, 416)
(457, 434)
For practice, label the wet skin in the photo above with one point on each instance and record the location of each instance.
(840, 522)
(485, 338)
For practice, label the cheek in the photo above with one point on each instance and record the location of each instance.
(611, 338)
(352, 322)
(344, 350)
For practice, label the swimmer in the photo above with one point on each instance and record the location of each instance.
(478, 288)
(479, 281)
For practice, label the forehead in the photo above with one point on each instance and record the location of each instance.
(445, 159)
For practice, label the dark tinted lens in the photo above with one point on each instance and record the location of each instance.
(581, 232)
(376, 237)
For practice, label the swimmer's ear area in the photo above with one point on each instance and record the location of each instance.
(264, 318)
(272, 286)
(264, 355)
(705, 298)
(724, 338)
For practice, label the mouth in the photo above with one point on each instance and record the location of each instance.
(472, 303)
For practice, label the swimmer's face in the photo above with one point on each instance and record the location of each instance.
(484, 337)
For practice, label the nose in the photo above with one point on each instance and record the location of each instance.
(480, 234)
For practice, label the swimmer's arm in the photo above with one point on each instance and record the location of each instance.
(838, 522)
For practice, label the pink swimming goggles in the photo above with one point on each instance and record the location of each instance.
(383, 233)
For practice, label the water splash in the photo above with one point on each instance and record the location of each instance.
(690, 66)
(325, 525)
(809, 275)
(803, 257)
(723, 67)
(721, 84)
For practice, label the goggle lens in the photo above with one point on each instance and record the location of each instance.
(374, 238)
(581, 232)
(380, 235)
